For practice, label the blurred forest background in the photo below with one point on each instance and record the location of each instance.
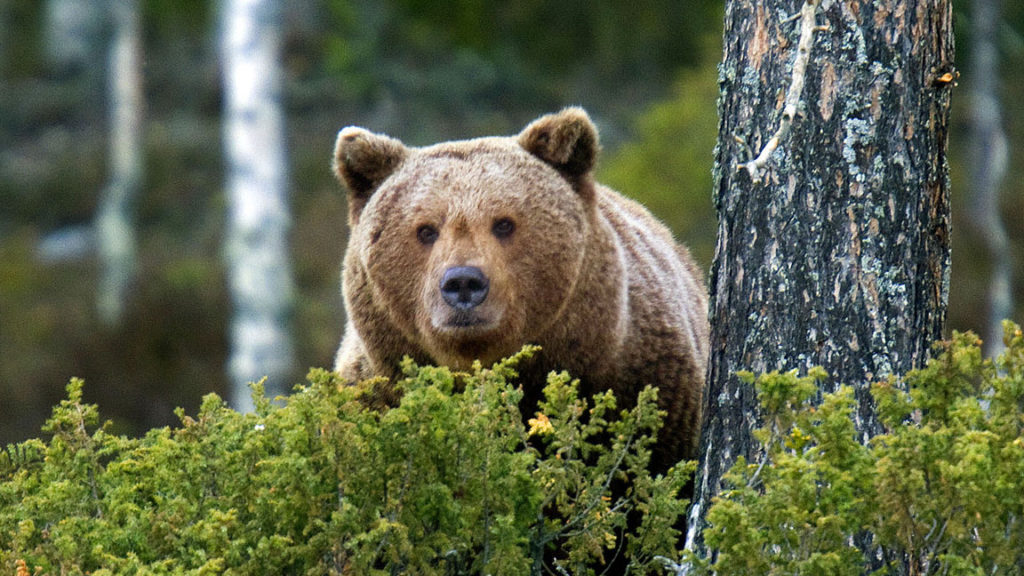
(419, 70)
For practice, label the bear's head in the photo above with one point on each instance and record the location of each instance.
(473, 248)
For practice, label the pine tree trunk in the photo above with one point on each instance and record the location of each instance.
(839, 255)
(258, 217)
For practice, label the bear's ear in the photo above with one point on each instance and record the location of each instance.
(566, 140)
(363, 160)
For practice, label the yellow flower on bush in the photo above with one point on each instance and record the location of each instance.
(540, 425)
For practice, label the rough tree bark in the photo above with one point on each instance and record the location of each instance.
(989, 157)
(259, 268)
(833, 246)
(115, 229)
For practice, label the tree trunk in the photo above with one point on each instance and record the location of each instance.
(989, 156)
(115, 229)
(258, 218)
(833, 248)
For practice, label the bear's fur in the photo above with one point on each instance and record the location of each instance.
(468, 250)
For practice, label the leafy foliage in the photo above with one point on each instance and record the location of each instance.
(533, 50)
(938, 493)
(450, 481)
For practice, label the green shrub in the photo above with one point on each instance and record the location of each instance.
(451, 481)
(940, 492)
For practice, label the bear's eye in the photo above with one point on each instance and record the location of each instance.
(426, 234)
(503, 227)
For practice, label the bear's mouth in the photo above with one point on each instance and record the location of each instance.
(466, 327)
(459, 319)
(458, 337)
(481, 325)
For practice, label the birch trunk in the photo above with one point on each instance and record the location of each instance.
(839, 255)
(115, 229)
(258, 219)
(989, 155)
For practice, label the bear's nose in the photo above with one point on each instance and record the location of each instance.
(464, 287)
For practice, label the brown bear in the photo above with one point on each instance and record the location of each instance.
(468, 250)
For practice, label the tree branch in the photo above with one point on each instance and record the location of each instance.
(796, 88)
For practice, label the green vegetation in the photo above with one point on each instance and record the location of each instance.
(452, 481)
(940, 492)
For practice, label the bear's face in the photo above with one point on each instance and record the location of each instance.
(471, 248)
